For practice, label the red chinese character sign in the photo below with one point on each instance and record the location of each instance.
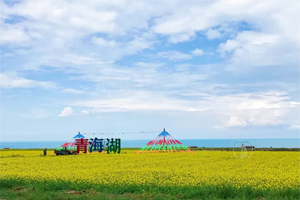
(82, 145)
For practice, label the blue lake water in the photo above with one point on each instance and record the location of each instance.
(258, 143)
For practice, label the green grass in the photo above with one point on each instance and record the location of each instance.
(20, 189)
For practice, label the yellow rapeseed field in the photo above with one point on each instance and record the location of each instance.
(264, 170)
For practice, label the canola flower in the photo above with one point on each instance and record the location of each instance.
(264, 170)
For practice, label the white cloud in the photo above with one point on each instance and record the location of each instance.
(261, 117)
(296, 126)
(213, 34)
(235, 121)
(12, 80)
(197, 52)
(268, 16)
(90, 36)
(176, 38)
(85, 112)
(75, 24)
(139, 43)
(248, 109)
(148, 65)
(103, 42)
(174, 55)
(67, 111)
(259, 109)
(13, 35)
(138, 101)
(252, 49)
(72, 91)
(245, 38)
(79, 59)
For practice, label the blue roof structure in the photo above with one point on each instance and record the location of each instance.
(164, 133)
(78, 136)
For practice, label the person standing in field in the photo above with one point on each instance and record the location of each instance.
(45, 151)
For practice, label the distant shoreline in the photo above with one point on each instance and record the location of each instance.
(193, 149)
(199, 143)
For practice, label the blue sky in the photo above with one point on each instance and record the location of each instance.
(200, 69)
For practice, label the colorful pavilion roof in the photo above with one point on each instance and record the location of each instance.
(71, 144)
(164, 142)
(78, 136)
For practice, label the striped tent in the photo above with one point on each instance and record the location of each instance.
(164, 142)
(71, 144)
